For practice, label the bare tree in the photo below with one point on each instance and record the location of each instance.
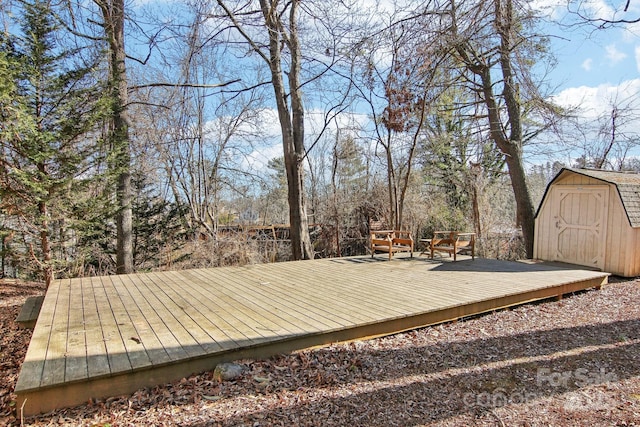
(402, 80)
(490, 38)
(280, 22)
(277, 33)
(111, 36)
(606, 139)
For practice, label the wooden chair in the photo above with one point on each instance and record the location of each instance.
(391, 241)
(451, 242)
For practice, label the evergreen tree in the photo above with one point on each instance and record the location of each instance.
(15, 124)
(157, 229)
(58, 103)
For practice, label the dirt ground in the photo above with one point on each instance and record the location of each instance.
(573, 362)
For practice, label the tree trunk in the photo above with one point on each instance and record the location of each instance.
(474, 183)
(113, 15)
(510, 145)
(290, 107)
(391, 184)
(45, 244)
(291, 124)
(334, 189)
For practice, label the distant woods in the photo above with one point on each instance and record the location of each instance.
(147, 136)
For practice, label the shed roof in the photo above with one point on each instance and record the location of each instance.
(627, 184)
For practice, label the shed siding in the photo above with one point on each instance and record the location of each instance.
(622, 254)
(632, 255)
(618, 231)
(635, 263)
(575, 179)
(543, 223)
(541, 242)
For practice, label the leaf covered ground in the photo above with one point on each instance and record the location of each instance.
(570, 362)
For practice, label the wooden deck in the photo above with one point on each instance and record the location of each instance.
(105, 336)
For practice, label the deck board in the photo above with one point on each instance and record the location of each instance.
(220, 331)
(34, 361)
(283, 312)
(97, 358)
(229, 310)
(187, 331)
(231, 332)
(76, 355)
(114, 348)
(165, 321)
(134, 356)
(57, 341)
(103, 336)
(145, 338)
(269, 292)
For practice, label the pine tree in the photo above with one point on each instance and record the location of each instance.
(56, 106)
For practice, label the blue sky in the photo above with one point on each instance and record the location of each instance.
(591, 58)
(597, 70)
(595, 67)
(607, 57)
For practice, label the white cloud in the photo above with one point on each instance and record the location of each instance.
(597, 9)
(593, 102)
(346, 122)
(614, 55)
(587, 64)
(637, 54)
(269, 145)
(630, 32)
(594, 107)
(258, 159)
(559, 9)
(552, 8)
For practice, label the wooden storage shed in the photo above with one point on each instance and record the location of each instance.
(592, 218)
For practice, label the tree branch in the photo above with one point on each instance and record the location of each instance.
(183, 85)
(602, 22)
(242, 32)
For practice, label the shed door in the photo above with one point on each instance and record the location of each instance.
(579, 233)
